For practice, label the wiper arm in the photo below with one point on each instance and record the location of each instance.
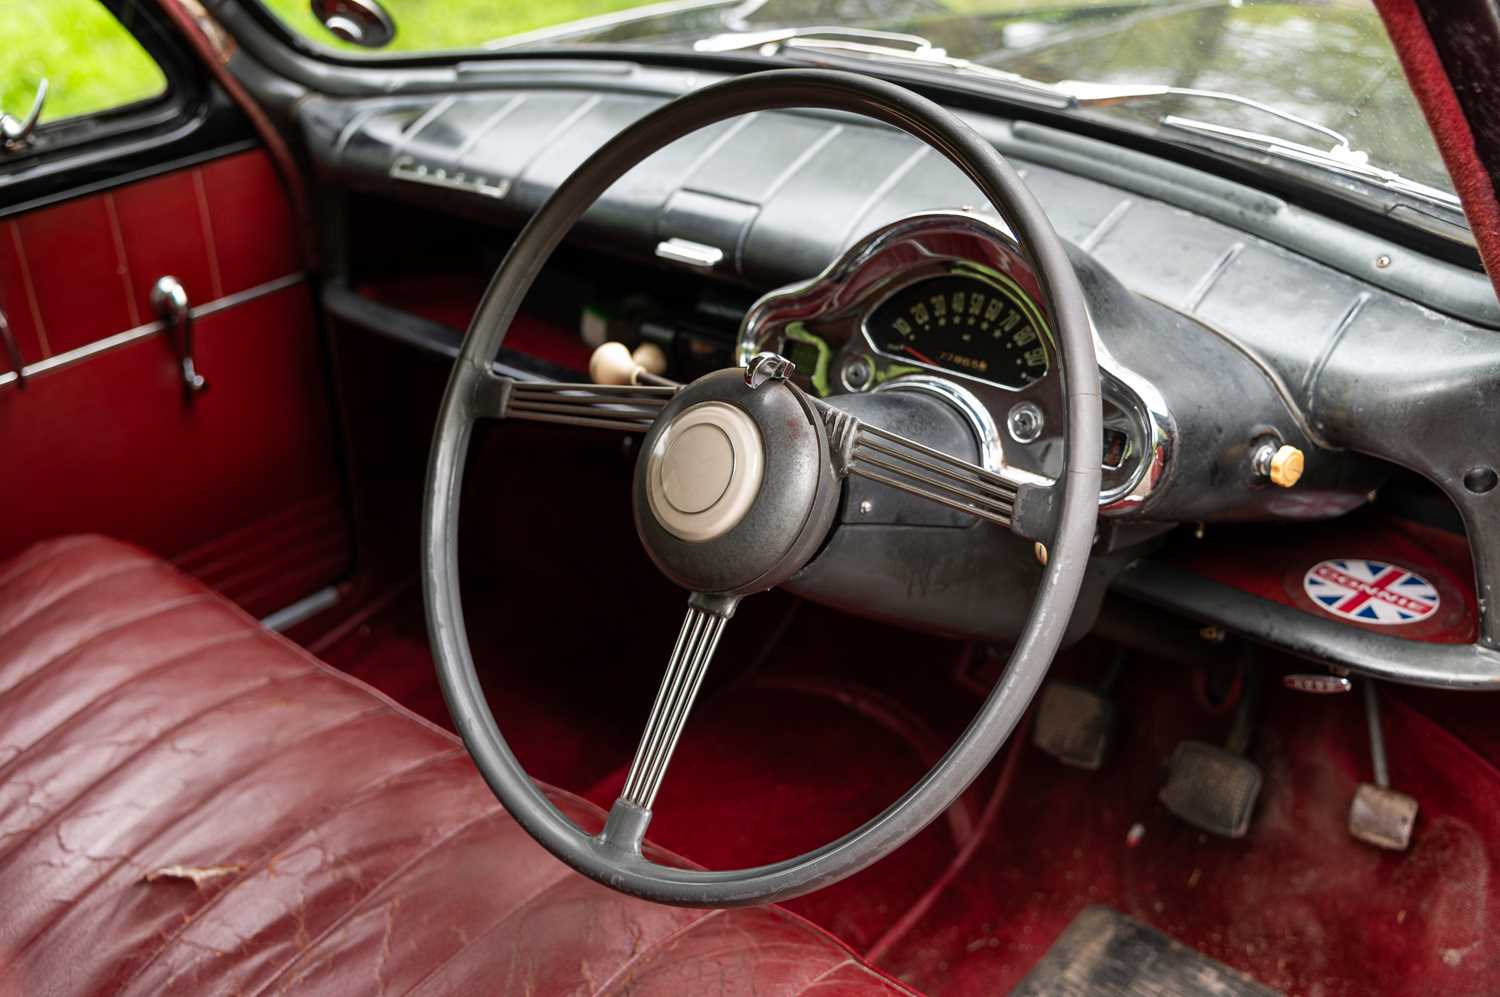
(1340, 157)
(869, 43)
(914, 50)
(1086, 94)
(738, 41)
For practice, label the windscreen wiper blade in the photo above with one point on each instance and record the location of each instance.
(739, 41)
(1088, 94)
(1340, 156)
(1339, 159)
(884, 46)
(914, 50)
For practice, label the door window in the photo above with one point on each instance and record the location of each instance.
(90, 59)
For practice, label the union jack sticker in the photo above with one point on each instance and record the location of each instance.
(1354, 588)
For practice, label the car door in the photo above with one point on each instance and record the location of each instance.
(147, 239)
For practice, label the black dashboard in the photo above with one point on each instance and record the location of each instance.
(1255, 319)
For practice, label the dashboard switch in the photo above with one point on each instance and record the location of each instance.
(1280, 463)
(1286, 466)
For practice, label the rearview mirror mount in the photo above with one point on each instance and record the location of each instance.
(360, 22)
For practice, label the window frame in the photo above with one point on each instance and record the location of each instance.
(191, 119)
(101, 124)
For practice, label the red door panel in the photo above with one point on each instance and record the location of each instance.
(253, 229)
(240, 484)
(18, 299)
(165, 230)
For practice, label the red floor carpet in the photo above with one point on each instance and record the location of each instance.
(788, 750)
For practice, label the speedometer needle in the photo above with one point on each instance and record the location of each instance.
(920, 356)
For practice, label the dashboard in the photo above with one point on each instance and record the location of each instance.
(1226, 319)
(1211, 290)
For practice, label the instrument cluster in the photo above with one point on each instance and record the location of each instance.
(944, 302)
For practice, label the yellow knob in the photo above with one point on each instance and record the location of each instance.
(1286, 466)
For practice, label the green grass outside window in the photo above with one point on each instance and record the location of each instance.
(92, 62)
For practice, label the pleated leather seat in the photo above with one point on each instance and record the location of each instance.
(150, 733)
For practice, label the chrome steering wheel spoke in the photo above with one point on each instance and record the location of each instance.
(628, 408)
(891, 459)
(696, 643)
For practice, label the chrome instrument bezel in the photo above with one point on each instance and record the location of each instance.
(932, 243)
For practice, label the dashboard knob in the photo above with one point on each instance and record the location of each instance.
(1286, 466)
(650, 358)
(613, 363)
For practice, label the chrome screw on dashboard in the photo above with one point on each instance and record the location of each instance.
(1025, 422)
(858, 374)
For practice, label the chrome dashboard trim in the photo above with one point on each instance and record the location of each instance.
(895, 255)
(689, 253)
(409, 169)
(1149, 409)
(986, 430)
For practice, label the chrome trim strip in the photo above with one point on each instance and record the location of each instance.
(119, 339)
(981, 422)
(409, 169)
(302, 610)
(689, 253)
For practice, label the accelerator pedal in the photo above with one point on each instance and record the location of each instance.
(1379, 815)
(1103, 952)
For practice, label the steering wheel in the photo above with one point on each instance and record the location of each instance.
(736, 487)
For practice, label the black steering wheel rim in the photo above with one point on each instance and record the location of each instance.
(1078, 489)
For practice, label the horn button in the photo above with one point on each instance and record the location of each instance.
(705, 471)
(734, 491)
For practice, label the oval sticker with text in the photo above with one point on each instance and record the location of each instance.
(1378, 592)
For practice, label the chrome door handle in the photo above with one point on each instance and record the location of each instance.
(170, 300)
(13, 352)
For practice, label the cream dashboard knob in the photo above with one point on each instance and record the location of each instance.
(650, 358)
(613, 363)
(1286, 466)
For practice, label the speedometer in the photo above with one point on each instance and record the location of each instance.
(965, 323)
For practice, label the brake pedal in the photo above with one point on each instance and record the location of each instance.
(1075, 724)
(1379, 815)
(1216, 788)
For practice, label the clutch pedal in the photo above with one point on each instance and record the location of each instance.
(1216, 788)
(1075, 723)
(1379, 815)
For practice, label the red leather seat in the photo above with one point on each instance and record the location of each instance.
(149, 730)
